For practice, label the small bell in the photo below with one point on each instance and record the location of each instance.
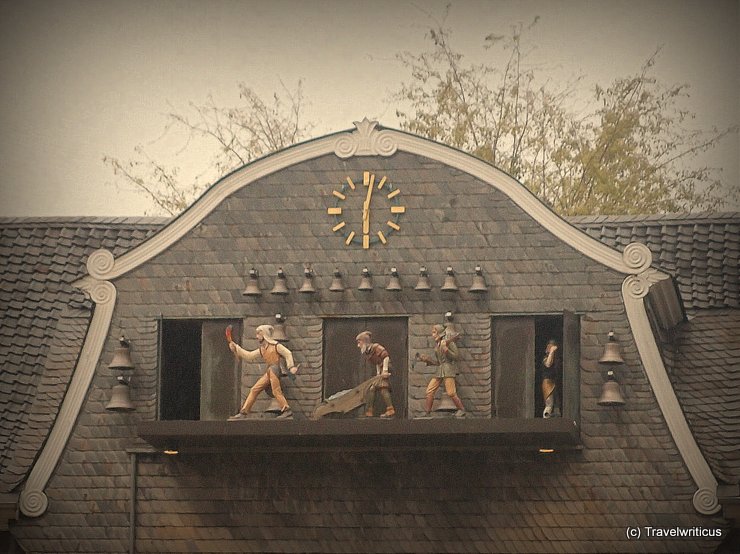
(366, 282)
(394, 283)
(120, 399)
(281, 284)
(610, 393)
(307, 286)
(611, 351)
(445, 405)
(122, 356)
(336, 282)
(253, 286)
(273, 408)
(278, 332)
(479, 282)
(450, 284)
(423, 283)
(452, 333)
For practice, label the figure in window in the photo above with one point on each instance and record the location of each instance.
(552, 367)
(275, 355)
(377, 356)
(445, 359)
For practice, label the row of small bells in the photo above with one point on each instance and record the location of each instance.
(280, 287)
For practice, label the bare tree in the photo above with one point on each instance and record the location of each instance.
(628, 151)
(237, 135)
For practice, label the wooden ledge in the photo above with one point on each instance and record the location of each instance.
(183, 436)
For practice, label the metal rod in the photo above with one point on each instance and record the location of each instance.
(132, 507)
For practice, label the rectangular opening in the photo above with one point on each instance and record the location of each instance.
(518, 352)
(199, 376)
(345, 367)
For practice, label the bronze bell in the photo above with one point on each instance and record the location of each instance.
(120, 399)
(394, 283)
(281, 284)
(278, 332)
(253, 286)
(366, 282)
(122, 356)
(610, 393)
(445, 405)
(611, 351)
(450, 284)
(336, 282)
(307, 286)
(479, 282)
(423, 283)
(273, 407)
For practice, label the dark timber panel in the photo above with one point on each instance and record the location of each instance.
(513, 361)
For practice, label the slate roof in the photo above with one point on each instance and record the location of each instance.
(705, 375)
(45, 320)
(700, 250)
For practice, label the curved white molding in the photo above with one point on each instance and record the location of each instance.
(33, 501)
(634, 290)
(365, 140)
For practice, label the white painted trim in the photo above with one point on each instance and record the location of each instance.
(365, 140)
(634, 290)
(33, 501)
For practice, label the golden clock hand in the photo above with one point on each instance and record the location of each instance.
(366, 209)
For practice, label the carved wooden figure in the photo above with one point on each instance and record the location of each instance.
(445, 358)
(273, 353)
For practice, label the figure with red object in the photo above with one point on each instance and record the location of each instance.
(273, 353)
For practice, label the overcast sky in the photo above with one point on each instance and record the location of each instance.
(82, 79)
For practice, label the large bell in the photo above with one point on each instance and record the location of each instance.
(610, 392)
(307, 286)
(394, 283)
(479, 282)
(278, 332)
(120, 400)
(611, 351)
(423, 284)
(253, 285)
(450, 284)
(336, 282)
(122, 356)
(366, 283)
(281, 284)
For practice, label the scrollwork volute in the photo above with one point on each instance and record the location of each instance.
(33, 502)
(705, 501)
(100, 263)
(637, 257)
(365, 140)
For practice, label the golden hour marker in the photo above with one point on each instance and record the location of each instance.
(382, 238)
(366, 241)
(365, 178)
(392, 225)
(334, 211)
(339, 195)
(382, 182)
(398, 209)
(349, 238)
(350, 183)
(394, 194)
(339, 226)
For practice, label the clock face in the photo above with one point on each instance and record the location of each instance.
(366, 214)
